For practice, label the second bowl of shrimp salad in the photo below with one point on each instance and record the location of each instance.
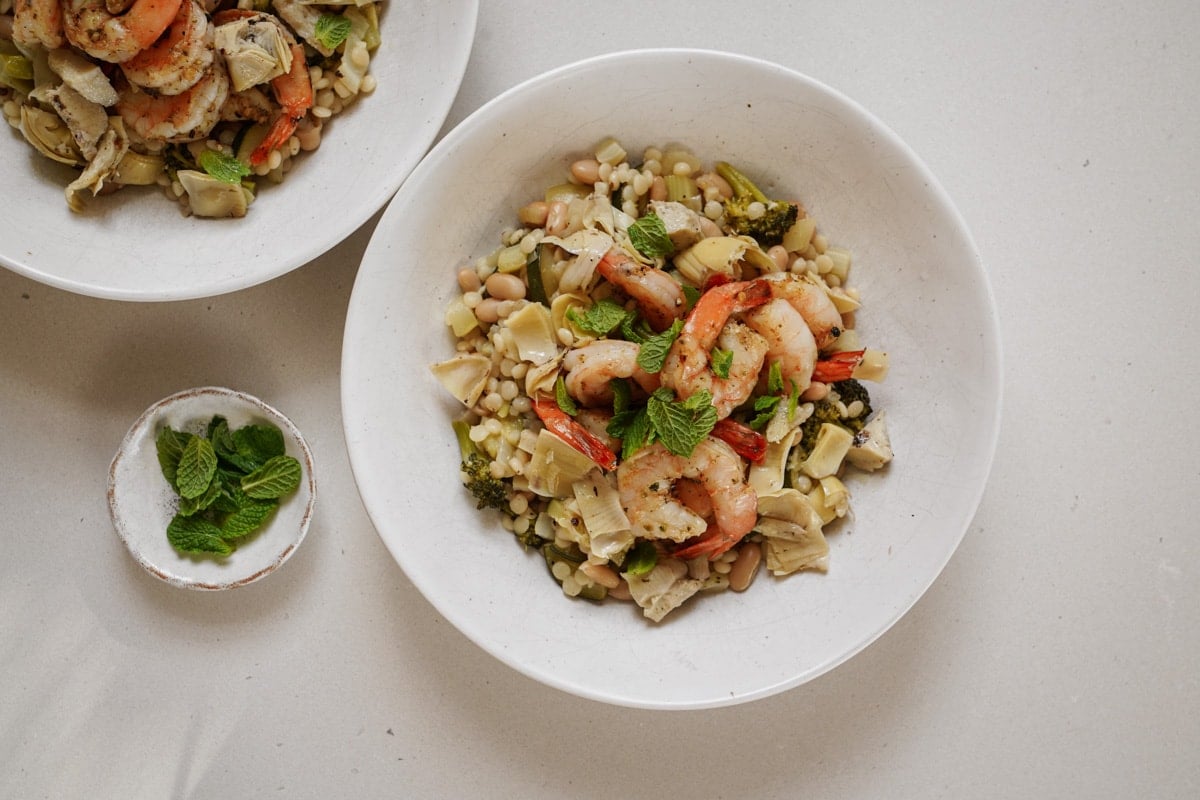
(661, 379)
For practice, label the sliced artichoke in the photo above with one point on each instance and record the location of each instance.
(663, 589)
(138, 169)
(255, 50)
(533, 333)
(872, 448)
(682, 224)
(210, 197)
(465, 376)
(86, 120)
(722, 255)
(49, 135)
(111, 149)
(791, 527)
(555, 466)
(82, 75)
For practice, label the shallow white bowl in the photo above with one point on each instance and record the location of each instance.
(926, 301)
(142, 503)
(135, 245)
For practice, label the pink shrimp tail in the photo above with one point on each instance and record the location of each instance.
(838, 367)
(295, 94)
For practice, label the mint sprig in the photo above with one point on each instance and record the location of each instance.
(681, 425)
(653, 351)
(222, 166)
(331, 30)
(229, 483)
(649, 237)
(601, 318)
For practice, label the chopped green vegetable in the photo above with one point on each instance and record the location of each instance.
(641, 559)
(331, 30)
(649, 236)
(767, 222)
(222, 166)
(489, 491)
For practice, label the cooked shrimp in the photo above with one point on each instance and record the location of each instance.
(38, 22)
(646, 483)
(658, 295)
(573, 433)
(101, 34)
(790, 342)
(177, 61)
(591, 367)
(811, 301)
(687, 368)
(182, 117)
(249, 104)
(293, 90)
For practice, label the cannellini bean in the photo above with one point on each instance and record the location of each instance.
(779, 255)
(556, 217)
(815, 391)
(534, 213)
(488, 310)
(601, 574)
(586, 170)
(742, 573)
(505, 286)
(468, 280)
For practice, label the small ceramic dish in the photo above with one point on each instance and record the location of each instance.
(142, 503)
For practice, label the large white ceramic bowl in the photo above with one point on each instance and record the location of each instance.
(135, 245)
(926, 301)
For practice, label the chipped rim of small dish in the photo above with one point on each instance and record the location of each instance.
(141, 502)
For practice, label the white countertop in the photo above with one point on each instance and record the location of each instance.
(1056, 656)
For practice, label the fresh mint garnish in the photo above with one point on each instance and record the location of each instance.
(278, 476)
(601, 318)
(680, 426)
(229, 482)
(721, 361)
(331, 30)
(649, 236)
(654, 349)
(775, 378)
(564, 400)
(222, 166)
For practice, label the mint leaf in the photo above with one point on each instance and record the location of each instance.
(653, 351)
(775, 378)
(169, 446)
(793, 401)
(721, 361)
(649, 236)
(638, 432)
(691, 295)
(765, 409)
(635, 329)
(222, 166)
(641, 559)
(601, 318)
(189, 506)
(249, 518)
(278, 476)
(622, 394)
(197, 465)
(563, 399)
(681, 426)
(256, 444)
(331, 30)
(196, 535)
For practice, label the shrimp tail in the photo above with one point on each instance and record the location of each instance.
(574, 434)
(294, 92)
(745, 441)
(838, 367)
(712, 543)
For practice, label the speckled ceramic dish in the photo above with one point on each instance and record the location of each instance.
(142, 503)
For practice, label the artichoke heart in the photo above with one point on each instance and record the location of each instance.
(791, 527)
(209, 197)
(464, 376)
(49, 135)
(86, 120)
(82, 75)
(255, 50)
(113, 146)
(722, 255)
(533, 333)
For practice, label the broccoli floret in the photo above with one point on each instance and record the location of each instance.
(827, 411)
(768, 228)
(489, 491)
(848, 391)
